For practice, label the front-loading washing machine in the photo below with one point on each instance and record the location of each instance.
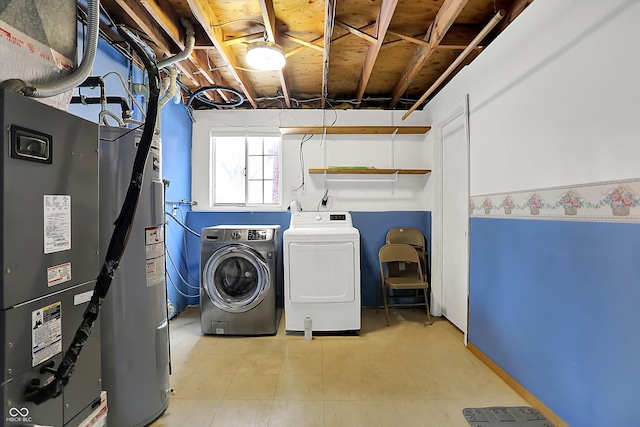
(238, 288)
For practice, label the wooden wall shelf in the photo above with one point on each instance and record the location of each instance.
(354, 130)
(369, 171)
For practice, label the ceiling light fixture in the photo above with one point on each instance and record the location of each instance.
(266, 56)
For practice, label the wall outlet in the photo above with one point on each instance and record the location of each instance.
(174, 210)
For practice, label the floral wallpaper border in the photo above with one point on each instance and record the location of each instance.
(609, 201)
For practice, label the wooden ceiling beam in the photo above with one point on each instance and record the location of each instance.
(303, 42)
(382, 24)
(205, 15)
(425, 43)
(269, 19)
(165, 15)
(244, 39)
(445, 17)
(333, 41)
(147, 24)
(494, 21)
(357, 32)
(329, 21)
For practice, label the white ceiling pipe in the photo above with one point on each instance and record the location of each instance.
(188, 48)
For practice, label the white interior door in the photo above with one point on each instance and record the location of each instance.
(453, 218)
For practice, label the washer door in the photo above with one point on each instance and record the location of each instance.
(236, 278)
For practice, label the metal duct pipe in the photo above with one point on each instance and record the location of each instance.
(46, 90)
(188, 48)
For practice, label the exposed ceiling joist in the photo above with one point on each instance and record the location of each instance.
(166, 17)
(357, 32)
(447, 14)
(425, 43)
(315, 46)
(214, 77)
(207, 18)
(329, 22)
(245, 39)
(382, 23)
(303, 42)
(269, 19)
(148, 25)
(425, 38)
(494, 21)
(139, 15)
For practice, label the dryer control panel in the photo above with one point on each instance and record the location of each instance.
(320, 219)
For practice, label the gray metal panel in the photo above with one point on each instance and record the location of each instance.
(83, 388)
(73, 172)
(135, 346)
(85, 384)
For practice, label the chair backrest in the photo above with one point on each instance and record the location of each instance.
(413, 236)
(399, 252)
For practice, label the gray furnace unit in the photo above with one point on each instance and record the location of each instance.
(49, 258)
(135, 336)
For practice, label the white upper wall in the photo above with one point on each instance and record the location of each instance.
(554, 99)
(410, 192)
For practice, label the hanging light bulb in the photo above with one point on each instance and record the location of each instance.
(266, 56)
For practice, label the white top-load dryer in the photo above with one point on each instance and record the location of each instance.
(322, 272)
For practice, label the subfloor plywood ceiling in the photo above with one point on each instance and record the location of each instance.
(376, 54)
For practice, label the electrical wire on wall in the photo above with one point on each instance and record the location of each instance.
(304, 139)
(177, 270)
(185, 281)
(185, 248)
(122, 230)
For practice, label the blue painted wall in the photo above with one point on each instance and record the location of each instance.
(373, 227)
(176, 167)
(553, 303)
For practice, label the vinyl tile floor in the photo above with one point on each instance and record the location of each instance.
(406, 374)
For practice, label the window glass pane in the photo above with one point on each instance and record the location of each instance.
(254, 145)
(254, 167)
(229, 179)
(271, 145)
(270, 167)
(271, 191)
(254, 193)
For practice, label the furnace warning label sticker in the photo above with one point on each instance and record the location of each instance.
(58, 274)
(154, 246)
(57, 223)
(46, 333)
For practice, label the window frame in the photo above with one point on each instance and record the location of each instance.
(214, 134)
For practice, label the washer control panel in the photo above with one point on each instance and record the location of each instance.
(257, 235)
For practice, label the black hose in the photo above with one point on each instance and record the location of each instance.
(124, 104)
(123, 224)
(197, 95)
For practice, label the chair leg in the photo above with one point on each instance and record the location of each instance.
(380, 289)
(386, 306)
(426, 303)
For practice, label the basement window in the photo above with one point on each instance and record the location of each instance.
(245, 170)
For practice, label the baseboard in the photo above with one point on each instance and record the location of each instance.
(517, 387)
